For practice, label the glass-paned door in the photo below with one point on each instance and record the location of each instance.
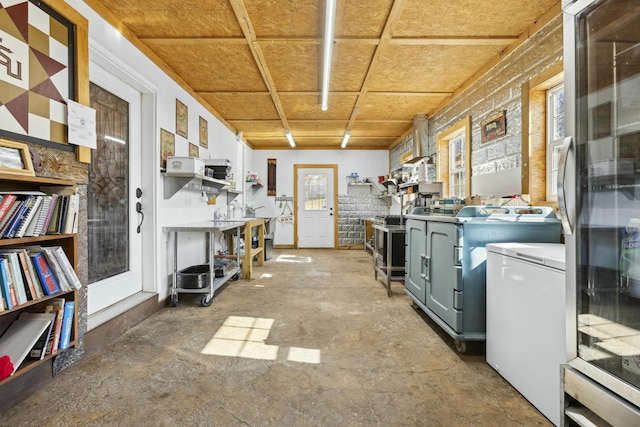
(608, 189)
(114, 244)
(316, 227)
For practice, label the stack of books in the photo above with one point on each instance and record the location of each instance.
(34, 213)
(41, 331)
(33, 272)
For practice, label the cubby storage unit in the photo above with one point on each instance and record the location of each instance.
(68, 242)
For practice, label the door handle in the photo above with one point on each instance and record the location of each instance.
(425, 267)
(139, 210)
(562, 199)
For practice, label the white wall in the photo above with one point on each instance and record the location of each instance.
(120, 57)
(367, 163)
(123, 59)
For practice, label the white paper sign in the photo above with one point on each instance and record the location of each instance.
(82, 124)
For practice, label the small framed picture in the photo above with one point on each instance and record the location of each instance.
(15, 158)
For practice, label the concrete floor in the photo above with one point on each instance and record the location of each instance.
(312, 340)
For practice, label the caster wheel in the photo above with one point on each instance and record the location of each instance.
(236, 276)
(174, 300)
(461, 346)
(206, 301)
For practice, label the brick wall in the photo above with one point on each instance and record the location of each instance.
(500, 89)
(352, 210)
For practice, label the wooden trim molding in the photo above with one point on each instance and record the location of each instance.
(83, 154)
(442, 154)
(296, 167)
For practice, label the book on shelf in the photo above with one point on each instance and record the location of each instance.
(27, 218)
(53, 219)
(62, 216)
(8, 291)
(38, 224)
(65, 265)
(52, 206)
(5, 204)
(71, 215)
(49, 282)
(56, 269)
(39, 349)
(11, 215)
(15, 274)
(67, 323)
(55, 305)
(21, 336)
(28, 274)
(25, 208)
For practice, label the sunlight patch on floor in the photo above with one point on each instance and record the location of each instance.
(304, 355)
(245, 337)
(293, 258)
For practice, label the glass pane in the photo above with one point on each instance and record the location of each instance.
(315, 190)
(608, 224)
(108, 195)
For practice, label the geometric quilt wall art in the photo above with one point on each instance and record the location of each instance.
(36, 70)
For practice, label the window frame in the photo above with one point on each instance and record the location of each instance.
(443, 162)
(534, 134)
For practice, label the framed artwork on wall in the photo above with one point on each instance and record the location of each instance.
(204, 133)
(167, 147)
(182, 119)
(194, 150)
(37, 77)
(15, 158)
(271, 176)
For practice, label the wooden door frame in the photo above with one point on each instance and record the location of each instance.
(296, 167)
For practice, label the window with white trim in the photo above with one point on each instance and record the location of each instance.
(555, 137)
(457, 167)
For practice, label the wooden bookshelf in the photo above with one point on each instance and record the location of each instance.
(68, 242)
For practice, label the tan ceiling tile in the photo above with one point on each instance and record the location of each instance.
(390, 129)
(242, 106)
(169, 18)
(361, 18)
(354, 62)
(469, 17)
(211, 66)
(284, 18)
(299, 107)
(428, 68)
(396, 107)
(293, 66)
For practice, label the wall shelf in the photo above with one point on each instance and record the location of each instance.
(191, 181)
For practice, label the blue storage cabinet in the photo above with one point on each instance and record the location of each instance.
(446, 261)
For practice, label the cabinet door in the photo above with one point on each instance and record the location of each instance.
(444, 271)
(416, 250)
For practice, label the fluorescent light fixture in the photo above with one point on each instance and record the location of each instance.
(329, 26)
(290, 138)
(347, 135)
(114, 139)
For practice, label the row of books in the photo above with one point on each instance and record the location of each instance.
(34, 213)
(33, 272)
(42, 330)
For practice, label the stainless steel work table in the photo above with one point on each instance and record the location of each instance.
(210, 228)
(383, 265)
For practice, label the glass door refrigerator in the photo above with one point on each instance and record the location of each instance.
(599, 199)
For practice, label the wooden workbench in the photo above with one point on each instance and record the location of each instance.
(247, 231)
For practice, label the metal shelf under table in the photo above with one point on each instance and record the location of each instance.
(210, 228)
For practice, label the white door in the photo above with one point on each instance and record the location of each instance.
(114, 238)
(315, 208)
